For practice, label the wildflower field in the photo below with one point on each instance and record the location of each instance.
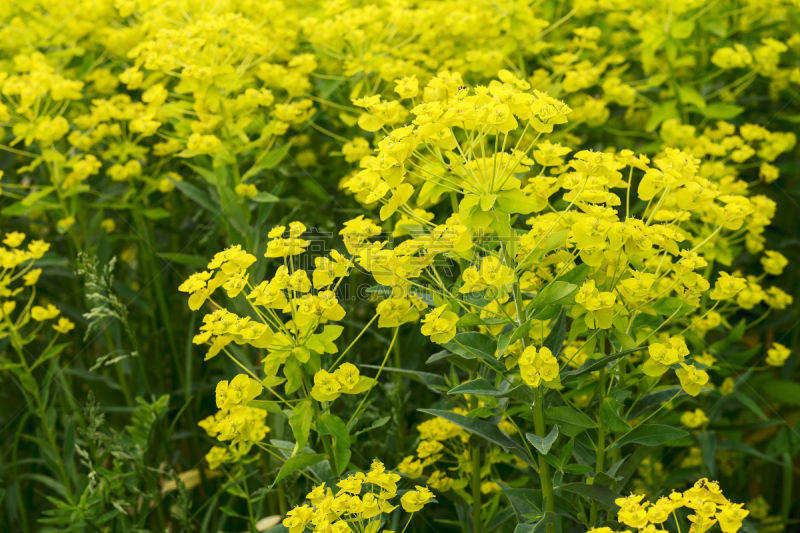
(402, 266)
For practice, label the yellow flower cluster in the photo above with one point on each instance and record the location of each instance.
(705, 499)
(345, 380)
(638, 267)
(17, 269)
(444, 445)
(235, 422)
(362, 501)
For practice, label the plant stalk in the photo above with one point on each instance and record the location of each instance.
(475, 450)
(544, 467)
(601, 442)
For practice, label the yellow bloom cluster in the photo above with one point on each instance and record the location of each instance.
(362, 501)
(638, 267)
(345, 380)
(17, 269)
(705, 499)
(235, 422)
(444, 445)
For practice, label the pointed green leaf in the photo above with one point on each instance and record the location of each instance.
(300, 422)
(650, 435)
(570, 421)
(543, 445)
(298, 462)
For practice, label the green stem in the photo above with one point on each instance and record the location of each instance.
(544, 467)
(788, 478)
(326, 439)
(475, 450)
(601, 442)
(540, 428)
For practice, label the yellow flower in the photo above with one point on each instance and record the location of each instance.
(728, 386)
(778, 354)
(537, 367)
(727, 287)
(730, 517)
(440, 481)
(65, 223)
(326, 387)
(64, 326)
(108, 225)
(694, 419)
(40, 314)
(241, 390)
(32, 276)
(774, 262)
(411, 467)
(297, 519)
(14, 239)
(204, 144)
(440, 325)
(414, 500)
(692, 380)
(489, 487)
(246, 190)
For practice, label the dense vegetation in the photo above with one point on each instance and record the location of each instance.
(509, 265)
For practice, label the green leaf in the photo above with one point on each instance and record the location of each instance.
(539, 527)
(522, 393)
(481, 428)
(708, 444)
(653, 400)
(297, 462)
(264, 197)
(323, 342)
(267, 160)
(35, 196)
(594, 364)
(50, 353)
(576, 276)
(682, 29)
(614, 422)
(156, 213)
(745, 448)
(787, 392)
(300, 422)
(28, 382)
(543, 444)
(566, 454)
(529, 501)
(472, 345)
(749, 403)
(723, 111)
(674, 307)
(602, 495)
(272, 407)
(650, 435)
(552, 293)
(576, 468)
(467, 344)
(19, 209)
(520, 332)
(332, 425)
(558, 330)
(434, 382)
(186, 259)
(689, 95)
(478, 387)
(665, 111)
(197, 195)
(378, 423)
(471, 319)
(570, 421)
